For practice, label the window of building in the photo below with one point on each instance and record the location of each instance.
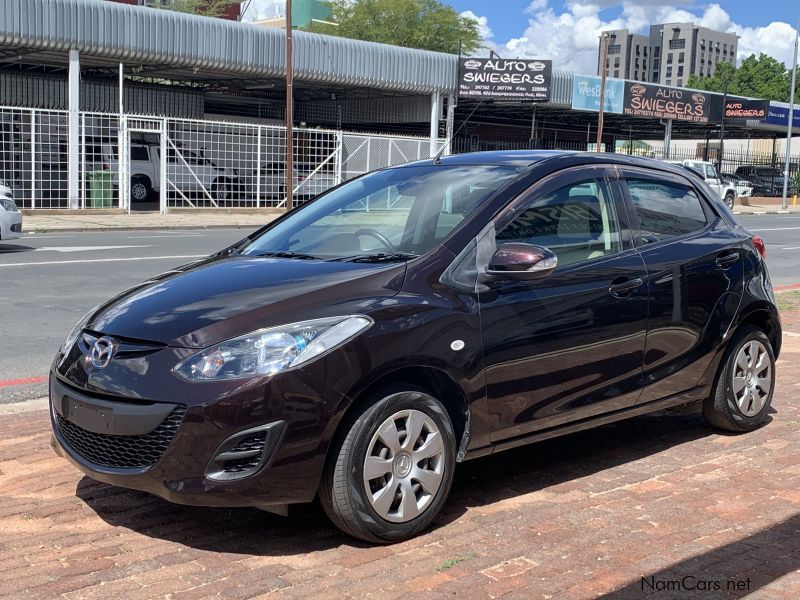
(637, 49)
(636, 76)
(677, 44)
(616, 62)
(657, 51)
(614, 49)
(681, 57)
(666, 209)
(669, 81)
(680, 72)
(655, 76)
(616, 72)
(669, 58)
(669, 71)
(680, 82)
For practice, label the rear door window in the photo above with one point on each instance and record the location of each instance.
(666, 209)
(139, 153)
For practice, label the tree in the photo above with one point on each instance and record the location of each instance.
(757, 77)
(208, 8)
(424, 24)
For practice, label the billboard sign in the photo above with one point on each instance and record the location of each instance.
(501, 79)
(659, 102)
(745, 110)
(586, 94)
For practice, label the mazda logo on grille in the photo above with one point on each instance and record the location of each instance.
(102, 352)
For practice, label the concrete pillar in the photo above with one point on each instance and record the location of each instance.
(667, 137)
(73, 130)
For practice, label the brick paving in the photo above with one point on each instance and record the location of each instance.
(624, 511)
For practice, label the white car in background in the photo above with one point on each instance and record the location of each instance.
(10, 217)
(744, 188)
(708, 172)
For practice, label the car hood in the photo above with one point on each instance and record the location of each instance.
(215, 299)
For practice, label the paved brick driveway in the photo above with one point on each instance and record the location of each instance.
(663, 497)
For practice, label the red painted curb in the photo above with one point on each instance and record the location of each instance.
(786, 288)
(23, 381)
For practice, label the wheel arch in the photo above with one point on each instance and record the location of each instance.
(766, 320)
(437, 382)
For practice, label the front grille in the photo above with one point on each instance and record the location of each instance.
(122, 451)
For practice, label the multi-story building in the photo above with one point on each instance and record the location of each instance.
(231, 11)
(669, 55)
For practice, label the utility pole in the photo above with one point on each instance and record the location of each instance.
(289, 109)
(791, 120)
(721, 150)
(602, 93)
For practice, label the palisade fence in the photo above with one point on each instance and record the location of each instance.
(138, 161)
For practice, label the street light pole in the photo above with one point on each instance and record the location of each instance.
(791, 120)
(721, 150)
(602, 93)
(289, 109)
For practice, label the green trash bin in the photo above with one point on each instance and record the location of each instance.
(101, 188)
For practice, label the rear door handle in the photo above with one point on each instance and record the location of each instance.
(625, 287)
(726, 260)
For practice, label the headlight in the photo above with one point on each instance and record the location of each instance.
(269, 351)
(72, 336)
(9, 205)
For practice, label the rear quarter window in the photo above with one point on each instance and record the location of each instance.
(666, 209)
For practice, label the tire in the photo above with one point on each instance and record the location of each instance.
(734, 409)
(730, 200)
(221, 189)
(141, 189)
(376, 517)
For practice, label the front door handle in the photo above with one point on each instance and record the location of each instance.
(623, 287)
(725, 261)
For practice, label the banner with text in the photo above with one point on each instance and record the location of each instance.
(745, 110)
(655, 101)
(586, 94)
(502, 79)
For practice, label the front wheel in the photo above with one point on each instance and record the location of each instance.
(743, 392)
(730, 199)
(389, 476)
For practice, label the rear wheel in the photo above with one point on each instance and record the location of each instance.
(389, 476)
(730, 199)
(140, 189)
(221, 189)
(745, 384)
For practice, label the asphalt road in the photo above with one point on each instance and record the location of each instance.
(49, 281)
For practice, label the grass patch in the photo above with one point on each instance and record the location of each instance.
(452, 562)
(789, 300)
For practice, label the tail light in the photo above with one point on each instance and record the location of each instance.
(760, 246)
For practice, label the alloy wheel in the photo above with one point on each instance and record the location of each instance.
(404, 466)
(752, 377)
(139, 191)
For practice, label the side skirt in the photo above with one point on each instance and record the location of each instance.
(684, 397)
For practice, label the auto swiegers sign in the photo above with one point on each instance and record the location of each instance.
(643, 100)
(505, 79)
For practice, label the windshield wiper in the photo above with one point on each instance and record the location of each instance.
(283, 254)
(380, 257)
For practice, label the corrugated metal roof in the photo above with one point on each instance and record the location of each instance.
(137, 34)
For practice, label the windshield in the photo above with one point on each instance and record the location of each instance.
(395, 213)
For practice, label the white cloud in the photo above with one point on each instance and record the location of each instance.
(483, 25)
(262, 9)
(570, 36)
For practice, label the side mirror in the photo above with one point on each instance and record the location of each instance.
(521, 261)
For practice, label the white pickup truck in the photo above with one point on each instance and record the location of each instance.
(708, 172)
(190, 175)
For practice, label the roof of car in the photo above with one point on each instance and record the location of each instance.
(526, 158)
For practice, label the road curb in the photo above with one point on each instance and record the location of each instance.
(11, 408)
(78, 229)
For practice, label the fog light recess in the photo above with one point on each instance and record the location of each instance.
(244, 453)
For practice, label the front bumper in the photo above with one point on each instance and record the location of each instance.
(10, 225)
(173, 450)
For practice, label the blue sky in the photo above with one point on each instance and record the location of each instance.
(504, 15)
(567, 32)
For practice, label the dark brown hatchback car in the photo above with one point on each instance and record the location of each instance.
(361, 345)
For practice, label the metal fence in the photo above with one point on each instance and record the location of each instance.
(157, 163)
